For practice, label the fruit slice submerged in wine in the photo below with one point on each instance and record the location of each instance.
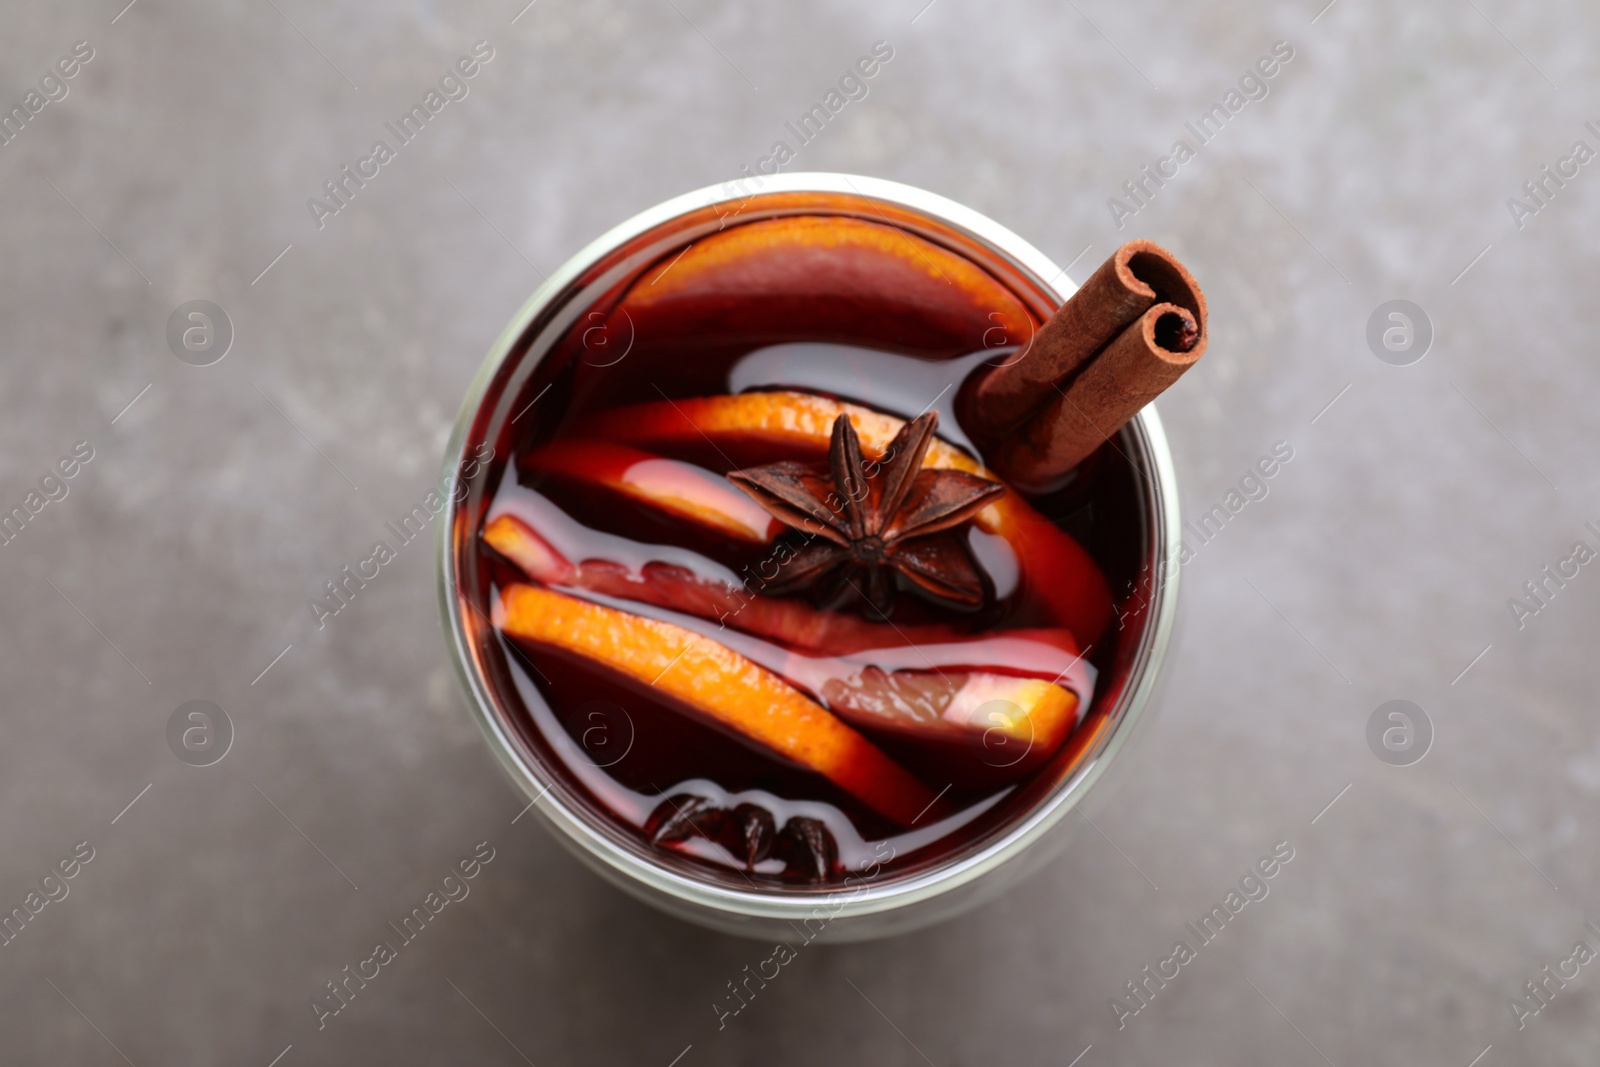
(764, 281)
(680, 489)
(1030, 653)
(997, 689)
(752, 428)
(679, 589)
(748, 429)
(707, 679)
(1011, 724)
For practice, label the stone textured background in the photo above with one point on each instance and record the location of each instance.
(1380, 565)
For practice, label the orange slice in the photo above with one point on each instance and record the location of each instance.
(677, 488)
(957, 706)
(764, 280)
(720, 686)
(783, 424)
(978, 729)
(773, 425)
(516, 541)
(1027, 711)
(1010, 725)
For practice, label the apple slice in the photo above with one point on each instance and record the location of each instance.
(711, 681)
(669, 586)
(677, 488)
(760, 427)
(793, 622)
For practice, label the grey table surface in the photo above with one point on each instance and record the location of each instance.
(1380, 165)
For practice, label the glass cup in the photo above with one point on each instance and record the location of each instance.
(862, 907)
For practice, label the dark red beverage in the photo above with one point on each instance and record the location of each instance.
(756, 596)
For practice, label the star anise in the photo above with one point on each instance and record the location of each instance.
(875, 521)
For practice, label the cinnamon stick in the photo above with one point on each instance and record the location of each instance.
(1125, 336)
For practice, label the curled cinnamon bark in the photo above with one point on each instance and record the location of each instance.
(1126, 335)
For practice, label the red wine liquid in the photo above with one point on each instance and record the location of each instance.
(697, 793)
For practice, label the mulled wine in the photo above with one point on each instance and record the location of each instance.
(758, 597)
